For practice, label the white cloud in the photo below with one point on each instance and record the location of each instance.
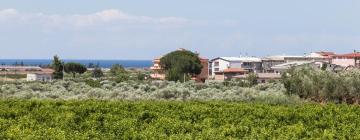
(7, 14)
(98, 18)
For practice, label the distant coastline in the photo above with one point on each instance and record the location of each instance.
(102, 63)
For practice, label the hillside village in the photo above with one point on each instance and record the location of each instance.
(265, 68)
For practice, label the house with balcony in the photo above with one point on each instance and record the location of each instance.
(229, 73)
(347, 60)
(157, 71)
(229, 65)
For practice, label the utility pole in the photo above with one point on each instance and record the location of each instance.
(63, 71)
(5, 75)
(184, 77)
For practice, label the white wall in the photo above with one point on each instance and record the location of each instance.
(236, 64)
(343, 62)
(31, 77)
(39, 77)
(222, 65)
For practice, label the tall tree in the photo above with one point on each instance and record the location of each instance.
(58, 67)
(180, 65)
(74, 68)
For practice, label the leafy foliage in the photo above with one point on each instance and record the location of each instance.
(97, 72)
(146, 90)
(94, 119)
(58, 67)
(74, 68)
(117, 69)
(323, 86)
(141, 76)
(180, 63)
(93, 83)
(252, 79)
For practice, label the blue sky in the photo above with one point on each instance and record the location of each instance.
(143, 29)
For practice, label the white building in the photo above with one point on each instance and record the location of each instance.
(44, 77)
(285, 66)
(314, 64)
(252, 64)
(271, 61)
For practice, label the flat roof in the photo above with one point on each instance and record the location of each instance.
(242, 59)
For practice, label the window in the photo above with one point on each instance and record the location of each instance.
(247, 64)
(216, 64)
(216, 69)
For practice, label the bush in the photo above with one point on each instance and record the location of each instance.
(97, 72)
(93, 83)
(323, 86)
(124, 89)
(122, 77)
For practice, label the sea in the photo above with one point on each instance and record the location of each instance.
(101, 63)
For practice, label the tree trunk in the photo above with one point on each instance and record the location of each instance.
(74, 74)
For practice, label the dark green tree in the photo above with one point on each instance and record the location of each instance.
(141, 76)
(324, 66)
(58, 67)
(74, 68)
(180, 65)
(97, 72)
(117, 69)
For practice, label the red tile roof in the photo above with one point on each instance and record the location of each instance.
(350, 55)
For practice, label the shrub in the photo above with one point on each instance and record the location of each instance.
(141, 90)
(93, 83)
(323, 86)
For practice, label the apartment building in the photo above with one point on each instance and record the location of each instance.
(346, 60)
(223, 64)
(277, 61)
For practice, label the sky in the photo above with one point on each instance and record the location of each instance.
(144, 29)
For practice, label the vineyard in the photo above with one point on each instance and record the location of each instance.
(95, 119)
(86, 108)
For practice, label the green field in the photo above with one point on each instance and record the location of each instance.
(95, 119)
